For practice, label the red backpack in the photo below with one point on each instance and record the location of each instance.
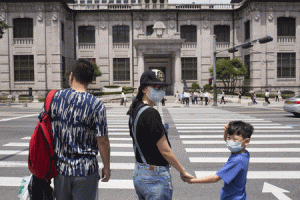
(41, 159)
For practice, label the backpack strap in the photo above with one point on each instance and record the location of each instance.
(133, 128)
(49, 99)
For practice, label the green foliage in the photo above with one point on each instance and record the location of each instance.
(195, 86)
(127, 89)
(229, 71)
(3, 25)
(97, 72)
(42, 99)
(207, 87)
(112, 86)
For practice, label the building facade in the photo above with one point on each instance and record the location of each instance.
(126, 37)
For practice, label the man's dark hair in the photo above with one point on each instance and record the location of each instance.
(83, 71)
(240, 128)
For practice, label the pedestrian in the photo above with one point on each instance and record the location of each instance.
(239, 96)
(122, 98)
(223, 97)
(206, 97)
(125, 100)
(267, 95)
(254, 98)
(182, 98)
(132, 97)
(163, 101)
(196, 97)
(201, 96)
(79, 131)
(177, 97)
(186, 96)
(193, 98)
(234, 173)
(153, 153)
(277, 96)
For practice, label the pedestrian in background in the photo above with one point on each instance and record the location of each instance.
(153, 154)
(196, 97)
(177, 97)
(122, 98)
(206, 97)
(267, 95)
(201, 96)
(79, 131)
(239, 97)
(223, 97)
(277, 96)
(254, 98)
(237, 136)
(132, 97)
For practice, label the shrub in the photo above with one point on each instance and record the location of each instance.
(42, 99)
(207, 87)
(112, 86)
(127, 89)
(195, 86)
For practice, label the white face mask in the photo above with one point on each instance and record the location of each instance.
(156, 95)
(234, 146)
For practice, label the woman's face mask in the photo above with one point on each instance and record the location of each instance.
(156, 95)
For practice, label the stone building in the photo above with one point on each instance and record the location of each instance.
(126, 37)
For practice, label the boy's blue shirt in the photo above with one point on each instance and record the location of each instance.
(234, 175)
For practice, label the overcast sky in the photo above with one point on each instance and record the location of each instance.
(199, 1)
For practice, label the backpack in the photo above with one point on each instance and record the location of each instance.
(41, 159)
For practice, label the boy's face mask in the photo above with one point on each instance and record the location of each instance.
(234, 146)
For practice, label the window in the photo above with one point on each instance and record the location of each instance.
(189, 33)
(286, 26)
(121, 69)
(149, 30)
(82, 2)
(89, 1)
(247, 64)
(286, 65)
(247, 30)
(222, 33)
(189, 68)
(23, 28)
(62, 31)
(24, 68)
(86, 34)
(120, 34)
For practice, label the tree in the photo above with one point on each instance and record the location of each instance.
(3, 26)
(195, 86)
(229, 71)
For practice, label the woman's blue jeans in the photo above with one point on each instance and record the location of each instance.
(152, 185)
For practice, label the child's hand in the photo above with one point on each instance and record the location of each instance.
(186, 176)
(226, 131)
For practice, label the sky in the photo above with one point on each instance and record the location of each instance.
(199, 1)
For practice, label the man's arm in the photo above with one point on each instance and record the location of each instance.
(104, 149)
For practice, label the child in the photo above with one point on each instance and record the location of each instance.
(234, 173)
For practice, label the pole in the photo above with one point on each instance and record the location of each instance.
(215, 77)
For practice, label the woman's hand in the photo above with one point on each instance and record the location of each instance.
(185, 176)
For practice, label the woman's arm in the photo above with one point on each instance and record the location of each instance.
(207, 179)
(168, 154)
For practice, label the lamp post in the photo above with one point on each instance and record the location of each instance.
(246, 45)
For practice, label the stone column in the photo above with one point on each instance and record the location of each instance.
(178, 85)
(141, 64)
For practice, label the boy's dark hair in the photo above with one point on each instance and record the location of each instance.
(240, 128)
(83, 71)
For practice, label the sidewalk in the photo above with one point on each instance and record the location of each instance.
(171, 103)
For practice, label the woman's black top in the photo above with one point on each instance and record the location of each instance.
(149, 131)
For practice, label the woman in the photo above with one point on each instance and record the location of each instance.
(153, 154)
(240, 97)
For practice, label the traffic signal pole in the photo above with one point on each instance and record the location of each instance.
(246, 45)
(215, 71)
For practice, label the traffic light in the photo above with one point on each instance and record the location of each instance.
(232, 50)
(247, 45)
(265, 39)
(210, 81)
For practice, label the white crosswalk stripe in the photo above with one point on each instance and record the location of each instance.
(122, 155)
(198, 130)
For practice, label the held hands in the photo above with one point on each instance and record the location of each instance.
(105, 175)
(186, 177)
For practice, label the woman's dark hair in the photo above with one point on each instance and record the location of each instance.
(83, 71)
(137, 99)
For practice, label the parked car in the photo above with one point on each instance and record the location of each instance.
(292, 105)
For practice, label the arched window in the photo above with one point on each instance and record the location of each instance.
(120, 34)
(86, 34)
(286, 26)
(189, 33)
(222, 32)
(23, 28)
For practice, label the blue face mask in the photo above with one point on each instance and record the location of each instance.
(234, 146)
(156, 95)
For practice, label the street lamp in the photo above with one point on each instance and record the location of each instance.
(234, 49)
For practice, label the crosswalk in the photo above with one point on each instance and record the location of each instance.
(201, 133)
(271, 143)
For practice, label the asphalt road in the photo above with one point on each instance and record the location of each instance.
(196, 136)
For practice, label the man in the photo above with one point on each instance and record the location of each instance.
(223, 97)
(80, 130)
(267, 95)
